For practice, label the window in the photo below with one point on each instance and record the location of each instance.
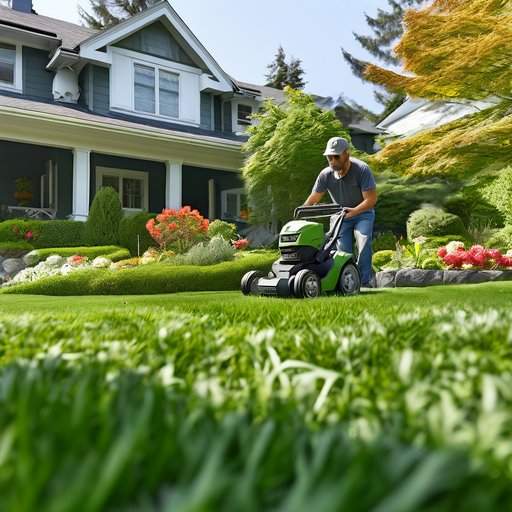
(7, 64)
(132, 186)
(244, 112)
(234, 205)
(162, 100)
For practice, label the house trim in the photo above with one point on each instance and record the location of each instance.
(17, 86)
(89, 48)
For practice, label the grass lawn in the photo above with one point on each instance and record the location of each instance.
(395, 400)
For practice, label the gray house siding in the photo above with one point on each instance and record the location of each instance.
(156, 181)
(195, 187)
(101, 90)
(206, 111)
(157, 41)
(84, 84)
(37, 82)
(227, 121)
(217, 114)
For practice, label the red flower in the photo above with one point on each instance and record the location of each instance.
(28, 235)
(454, 260)
(241, 245)
(442, 252)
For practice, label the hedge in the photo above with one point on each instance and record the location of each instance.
(432, 221)
(150, 279)
(112, 252)
(132, 226)
(50, 233)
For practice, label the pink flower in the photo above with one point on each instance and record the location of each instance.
(454, 260)
(442, 252)
(28, 235)
(241, 245)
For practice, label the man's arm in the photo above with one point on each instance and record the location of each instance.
(314, 198)
(369, 201)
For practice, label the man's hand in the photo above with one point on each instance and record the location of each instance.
(350, 212)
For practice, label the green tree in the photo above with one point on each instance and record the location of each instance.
(107, 13)
(386, 28)
(102, 226)
(285, 155)
(454, 50)
(282, 74)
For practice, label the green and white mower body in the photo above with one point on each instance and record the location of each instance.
(309, 264)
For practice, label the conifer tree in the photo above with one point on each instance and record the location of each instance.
(458, 51)
(107, 13)
(282, 74)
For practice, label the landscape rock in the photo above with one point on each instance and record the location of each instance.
(12, 266)
(385, 278)
(31, 258)
(417, 277)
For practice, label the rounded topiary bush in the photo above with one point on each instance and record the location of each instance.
(102, 226)
(431, 221)
(499, 194)
(133, 233)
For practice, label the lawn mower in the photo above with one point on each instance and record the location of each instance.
(309, 263)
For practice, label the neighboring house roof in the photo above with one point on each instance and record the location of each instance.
(262, 91)
(415, 115)
(71, 35)
(77, 113)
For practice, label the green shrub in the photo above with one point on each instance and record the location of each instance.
(431, 221)
(102, 226)
(111, 252)
(224, 229)
(133, 233)
(43, 233)
(150, 279)
(14, 246)
(473, 209)
(502, 239)
(214, 251)
(499, 194)
(384, 241)
(382, 258)
(399, 197)
(434, 242)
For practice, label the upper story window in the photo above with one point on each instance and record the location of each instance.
(7, 64)
(156, 91)
(244, 113)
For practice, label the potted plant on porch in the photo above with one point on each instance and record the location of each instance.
(23, 192)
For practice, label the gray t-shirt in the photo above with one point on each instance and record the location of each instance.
(346, 191)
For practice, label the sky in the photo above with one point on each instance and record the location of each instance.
(243, 37)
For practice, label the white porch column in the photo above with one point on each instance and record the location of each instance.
(173, 184)
(81, 183)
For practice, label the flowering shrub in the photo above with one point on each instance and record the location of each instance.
(178, 229)
(477, 257)
(241, 245)
(76, 260)
(214, 251)
(23, 233)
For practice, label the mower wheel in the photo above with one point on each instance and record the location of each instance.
(306, 284)
(249, 283)
(350, 280)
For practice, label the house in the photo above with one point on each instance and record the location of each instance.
(142, 107)
(415, 115)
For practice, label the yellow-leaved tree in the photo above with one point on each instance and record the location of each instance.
(454, 50)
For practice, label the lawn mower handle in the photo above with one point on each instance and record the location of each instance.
(317, 211)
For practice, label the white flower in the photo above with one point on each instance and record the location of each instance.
(453, 247)
(509, 253)
(419, 240)
(101, 262)
(66, 269)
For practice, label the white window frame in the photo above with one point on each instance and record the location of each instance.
(157, 70)
(17, 85)
(224, 202)
(125, 173)
(240, 121)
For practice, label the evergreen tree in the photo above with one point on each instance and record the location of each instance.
(282, 74)
(387, 29)
(107, 13)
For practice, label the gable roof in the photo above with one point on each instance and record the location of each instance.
(162, 11)
(70, 35)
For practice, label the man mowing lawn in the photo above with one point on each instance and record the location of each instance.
(350, 183)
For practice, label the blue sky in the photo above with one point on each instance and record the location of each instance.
(244, 36)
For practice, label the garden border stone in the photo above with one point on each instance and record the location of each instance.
(413, 277)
